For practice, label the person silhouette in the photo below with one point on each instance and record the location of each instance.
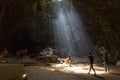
(91, 59)
(68, 60)
(105, 62)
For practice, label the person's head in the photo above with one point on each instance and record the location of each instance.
(90, 53)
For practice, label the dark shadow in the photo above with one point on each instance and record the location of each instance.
(99, 77)
(115, 73)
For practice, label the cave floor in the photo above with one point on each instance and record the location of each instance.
(75, 72)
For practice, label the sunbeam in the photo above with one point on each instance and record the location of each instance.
(69, 31)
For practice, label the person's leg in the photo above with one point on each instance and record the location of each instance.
(90, 69)
(70, 63)
(108, 68)
(105, 66)
(93, 70)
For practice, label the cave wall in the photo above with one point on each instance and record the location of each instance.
(102, 21)
(24, 23)
(16, 23)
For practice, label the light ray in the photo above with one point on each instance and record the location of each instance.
(69, 31)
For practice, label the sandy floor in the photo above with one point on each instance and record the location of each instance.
(76, 72)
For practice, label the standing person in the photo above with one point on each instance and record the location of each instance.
(68, 60)
(91, 58)
(105, 62)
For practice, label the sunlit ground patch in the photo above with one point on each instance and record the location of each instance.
(78, 68)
